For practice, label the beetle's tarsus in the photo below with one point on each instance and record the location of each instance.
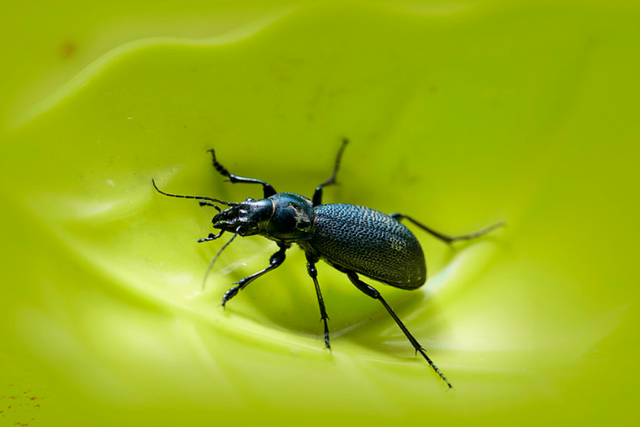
(232, 292)
(326, 341)
(317, 195)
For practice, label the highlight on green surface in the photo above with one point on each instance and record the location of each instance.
(458, 113)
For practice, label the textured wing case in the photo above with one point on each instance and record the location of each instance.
(370, 243)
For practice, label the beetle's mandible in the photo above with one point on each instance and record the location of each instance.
(355, 240)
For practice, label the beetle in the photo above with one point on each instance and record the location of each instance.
(353, 239)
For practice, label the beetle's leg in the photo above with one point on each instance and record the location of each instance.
(211, 237)
(317, 196)
(444, 237)
(373, 293)
(313, 272)
(274, 262)
(268, 189)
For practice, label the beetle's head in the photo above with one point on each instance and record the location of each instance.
(252, 216)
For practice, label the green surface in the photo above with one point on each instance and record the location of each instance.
(459, 114)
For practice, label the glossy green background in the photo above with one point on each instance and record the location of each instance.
(459, 113)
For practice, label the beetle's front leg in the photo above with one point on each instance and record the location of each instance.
(274, 262)
(234, 179)
(313, 272)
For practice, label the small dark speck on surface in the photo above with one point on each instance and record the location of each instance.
(68, 49)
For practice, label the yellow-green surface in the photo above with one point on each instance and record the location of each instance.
(459, 113)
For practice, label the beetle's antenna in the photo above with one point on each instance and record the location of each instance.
(213, 261)
(193, 197)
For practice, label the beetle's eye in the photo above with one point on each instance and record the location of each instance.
(249, 199)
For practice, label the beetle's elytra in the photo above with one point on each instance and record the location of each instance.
(353, 239)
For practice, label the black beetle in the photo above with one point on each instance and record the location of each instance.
(353, 239)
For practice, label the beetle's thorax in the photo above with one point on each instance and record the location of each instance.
(293, 218)
(281, 217)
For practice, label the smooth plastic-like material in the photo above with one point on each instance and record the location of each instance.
(458, 114)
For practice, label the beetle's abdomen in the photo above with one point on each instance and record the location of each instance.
(370, 243)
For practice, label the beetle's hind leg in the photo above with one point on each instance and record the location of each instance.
(313, 272)
(317, 195)
(275, 261)
(373, 293)
(444, 237)
(234, 179)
